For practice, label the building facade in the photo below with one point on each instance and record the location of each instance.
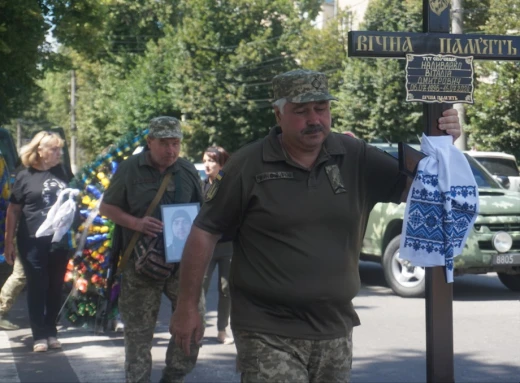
(330, 8)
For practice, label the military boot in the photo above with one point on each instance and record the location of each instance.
(6, 324)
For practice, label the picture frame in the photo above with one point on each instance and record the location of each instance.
(177, 220)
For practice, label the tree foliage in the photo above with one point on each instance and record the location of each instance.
(371, 99)
(218, 64)
(208, 62)
(474, 15)
(325, 49)
(494, 118)
(227, 52)
(22, 34)
(116, 31)
(211, 62)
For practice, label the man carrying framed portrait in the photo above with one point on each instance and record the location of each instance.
(155, 173)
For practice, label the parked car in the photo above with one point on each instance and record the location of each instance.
(493, 244)
(501, 165)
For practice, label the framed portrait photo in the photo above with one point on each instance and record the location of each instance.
(177, 220)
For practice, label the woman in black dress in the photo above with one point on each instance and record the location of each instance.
(34, 192)
(214, 159)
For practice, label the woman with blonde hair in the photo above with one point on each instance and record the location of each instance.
(34, 192)
(214, 159)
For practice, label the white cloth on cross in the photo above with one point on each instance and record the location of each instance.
(441, 207)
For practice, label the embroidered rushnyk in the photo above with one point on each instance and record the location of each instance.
(441, 207)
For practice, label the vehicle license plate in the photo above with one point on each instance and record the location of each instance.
(506, 259)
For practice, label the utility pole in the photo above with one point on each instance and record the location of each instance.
(73, 121)
(457, 13)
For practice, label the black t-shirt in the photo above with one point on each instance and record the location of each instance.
(36, 191)
(299, 232)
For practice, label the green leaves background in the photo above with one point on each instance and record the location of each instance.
(210, 63)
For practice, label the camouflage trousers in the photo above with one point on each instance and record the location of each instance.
(12, 287)
(139, 305)
(266, 358)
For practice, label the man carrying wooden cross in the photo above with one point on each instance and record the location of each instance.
(298, 201)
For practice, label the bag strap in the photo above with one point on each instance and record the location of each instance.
(136, 234)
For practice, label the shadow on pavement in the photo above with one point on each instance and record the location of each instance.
(410, 366)
(465, 288)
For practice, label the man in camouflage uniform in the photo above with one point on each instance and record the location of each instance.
(298, 201)
(12, 287)
(131, 191)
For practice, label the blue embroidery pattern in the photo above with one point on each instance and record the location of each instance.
(438, 221)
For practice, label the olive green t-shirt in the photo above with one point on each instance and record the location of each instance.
(298, 235)
(136, 182)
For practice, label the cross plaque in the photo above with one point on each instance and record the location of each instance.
(436, 40)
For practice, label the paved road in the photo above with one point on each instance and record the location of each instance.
(388, 347)
(390, 344)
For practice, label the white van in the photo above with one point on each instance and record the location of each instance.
(500, 165)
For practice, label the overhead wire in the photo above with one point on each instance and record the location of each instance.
(253, 42)
(253, 66)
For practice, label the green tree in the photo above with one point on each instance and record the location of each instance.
(96, 85)
(22, 34)
(494, 118)
(324, 49)
(49, 108)
(372, 97)
(210, 62)
(116, 31)
(128, 102)
(475, 15)
(228, 53)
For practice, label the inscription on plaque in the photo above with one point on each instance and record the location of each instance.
(439, 78)
(398, 44)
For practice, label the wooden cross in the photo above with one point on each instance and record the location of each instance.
(436, 40)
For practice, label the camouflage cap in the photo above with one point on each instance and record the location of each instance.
(165, 127)
(301, 86)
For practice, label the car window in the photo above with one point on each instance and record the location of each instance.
(483, 178)
(499, 166)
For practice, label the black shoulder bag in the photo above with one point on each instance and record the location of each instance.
(149, 252)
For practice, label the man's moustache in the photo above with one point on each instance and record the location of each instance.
(311, 129)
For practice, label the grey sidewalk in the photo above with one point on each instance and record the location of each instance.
(87, 357)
